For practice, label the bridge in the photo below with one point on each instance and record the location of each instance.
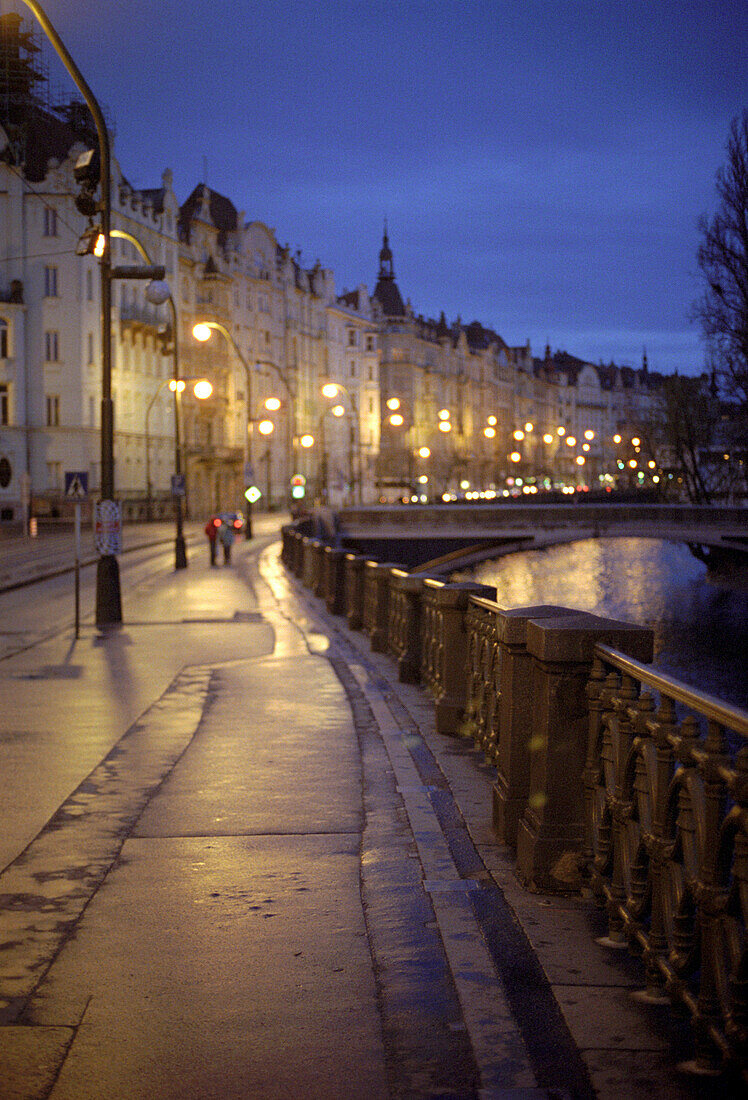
(462, 534)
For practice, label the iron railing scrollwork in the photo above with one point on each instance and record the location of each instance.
(666, 853)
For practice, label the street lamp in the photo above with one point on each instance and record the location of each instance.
(202, 331)
(180, 546)
(108, 598)
(331, 390)
(202, 390)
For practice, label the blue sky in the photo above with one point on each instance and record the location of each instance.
(541, 164)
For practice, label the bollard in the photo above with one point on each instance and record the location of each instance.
(318, 558)
(550, 833)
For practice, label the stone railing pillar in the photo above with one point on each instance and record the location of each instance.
(404, 634)
(307, 561)
(444, 663)
(511, 750)
(318, 556)
(551, 832)
(376, 602)
(354, 590)
(334, 580)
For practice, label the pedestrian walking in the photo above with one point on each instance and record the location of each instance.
(211, 530)
(226, 535)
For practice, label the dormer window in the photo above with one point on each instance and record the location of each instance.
(4, 343)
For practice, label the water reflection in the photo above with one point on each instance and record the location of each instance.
(700, 628)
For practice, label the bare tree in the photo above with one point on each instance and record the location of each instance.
(723, 260)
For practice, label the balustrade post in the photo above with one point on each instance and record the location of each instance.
(376, 603)
(318, 553)
(404, 636)
(307, 562)
(334, 579)
(551, 831)
(354, 590)
(447, 645)
(515, 716)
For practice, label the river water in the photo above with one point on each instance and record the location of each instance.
(700, 627)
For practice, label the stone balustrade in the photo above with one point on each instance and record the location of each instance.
(609, 777)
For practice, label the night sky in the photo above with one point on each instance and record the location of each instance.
(541, 164)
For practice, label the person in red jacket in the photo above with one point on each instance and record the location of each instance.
(211, 530)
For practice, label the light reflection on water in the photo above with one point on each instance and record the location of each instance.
(700, 628)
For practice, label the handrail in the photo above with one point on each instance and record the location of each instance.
(709, 706)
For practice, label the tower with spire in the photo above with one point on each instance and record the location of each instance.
(386, 292)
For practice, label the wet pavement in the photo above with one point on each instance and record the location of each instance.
(239, 862)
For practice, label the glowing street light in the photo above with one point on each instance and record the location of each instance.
(492, 421)
(547, 438)
(518, 435)
(560, 430)
(636, 442)
(616, 438)
(272, 404)
(529, 426)
(570, 441)
(580, 460)
(307, 441)
(393, 404)
(589, 435)
(515, 456)
(338, 410)
(445, 426)
(444, 414)
(424, 452)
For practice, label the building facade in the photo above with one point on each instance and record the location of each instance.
(421, 408)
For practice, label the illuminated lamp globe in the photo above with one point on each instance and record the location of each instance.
(272, 404)
(307, 441)
(330, 389)
(265, 427)
(202, 389)
(157, 292)
(201, 332)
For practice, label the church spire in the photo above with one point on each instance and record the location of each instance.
(386, 291)
(386, 269)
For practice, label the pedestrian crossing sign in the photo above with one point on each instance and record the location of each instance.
(76, 484)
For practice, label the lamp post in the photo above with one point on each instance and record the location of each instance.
(202, 332)
(108, 599)
(180, 546)
(202, 390)
(331, 390)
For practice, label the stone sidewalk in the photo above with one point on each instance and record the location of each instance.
(281, 882)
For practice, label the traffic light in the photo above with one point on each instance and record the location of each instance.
(86, 173)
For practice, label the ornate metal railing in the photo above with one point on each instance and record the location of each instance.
(666, 852)
(609, 775)
(484, 672)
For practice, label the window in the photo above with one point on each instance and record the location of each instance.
(351, 337)
(353, 369)
(50, 282)
(89, 285)
(50, 221)
(89, 349)
(3, 338)
(4, 403)
(53, 410)
(51, 347)
(370, 343)
(54, 475)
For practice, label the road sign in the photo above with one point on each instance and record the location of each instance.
(76, 484)
(252, 494)
(178, 485)
(298, 479)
